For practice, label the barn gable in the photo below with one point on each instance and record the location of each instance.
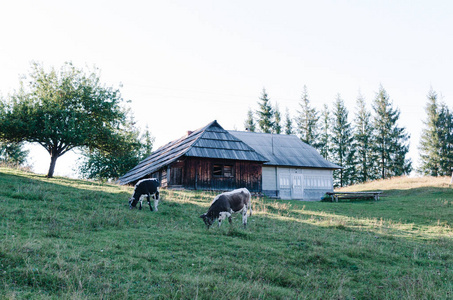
(210, 143)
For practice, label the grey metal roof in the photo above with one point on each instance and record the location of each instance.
(284, 150)
(211, 141)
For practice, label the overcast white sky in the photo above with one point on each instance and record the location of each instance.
(184, 64)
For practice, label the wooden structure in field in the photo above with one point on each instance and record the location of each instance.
(209, 158)
(354, 195)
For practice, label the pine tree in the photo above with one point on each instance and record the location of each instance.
(430, 143)
(249, 123)
(363, 136)
(307, 121)
(278, 120)
(390, 145)
(446, 141)
(288, 123)
(342, 145)
(147, 141)
(324, 136)
(265, 113)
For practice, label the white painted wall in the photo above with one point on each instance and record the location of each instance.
(297, 183)
(269, 178)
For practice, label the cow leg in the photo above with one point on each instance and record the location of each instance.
(230, 216)
(149, 201)
(156, 200)
(222, 216)
(140, 201)
(244, 217)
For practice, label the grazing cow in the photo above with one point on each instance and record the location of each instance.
(225, 204)
(146, 187)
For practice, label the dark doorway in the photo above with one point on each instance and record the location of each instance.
(176, 176)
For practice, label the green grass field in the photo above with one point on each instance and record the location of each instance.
(74, 239)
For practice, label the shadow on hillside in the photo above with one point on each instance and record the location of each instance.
(28, 186)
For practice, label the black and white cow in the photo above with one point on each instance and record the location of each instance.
(225, 204)
(146, 187)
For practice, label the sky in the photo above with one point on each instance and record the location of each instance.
(183, 64)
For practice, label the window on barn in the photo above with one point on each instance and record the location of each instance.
(228, 171)
(284, 181)
(217, 172)
(222, 171)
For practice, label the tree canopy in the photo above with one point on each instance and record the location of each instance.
(342, 145)
(288, 123)
(265, 113)
(364, 139)
(61, 110)
(249, 123)
(13, 153)
(307, 121)
(436, 141)
(391, 141)
(325, 143)
(129, 148)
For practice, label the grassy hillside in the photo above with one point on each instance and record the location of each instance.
(74, 239)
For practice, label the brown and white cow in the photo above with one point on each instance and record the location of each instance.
(225, 204)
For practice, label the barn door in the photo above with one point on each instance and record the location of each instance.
(176, 176)
(297, 188)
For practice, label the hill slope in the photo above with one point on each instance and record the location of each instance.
(65, 238)
(403, 183)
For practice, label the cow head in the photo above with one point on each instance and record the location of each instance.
(207, 220)
(132, 203)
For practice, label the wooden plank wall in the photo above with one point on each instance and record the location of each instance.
(198, 174)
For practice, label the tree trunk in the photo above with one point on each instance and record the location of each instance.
(53, 162)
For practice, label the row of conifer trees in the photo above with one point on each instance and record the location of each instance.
(371, 146)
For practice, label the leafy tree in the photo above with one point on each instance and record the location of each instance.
(324, 144)
(307, 121)
(114, 161)
(61, 110)
(430, 143)
(265, 113)
(363, 136)
(288, 123)
(278, 120)
(249, 123)
(13, 153)
(342, 145)
(391, 143)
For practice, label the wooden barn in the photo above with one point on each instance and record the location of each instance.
(209, 158)
(212, 158)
